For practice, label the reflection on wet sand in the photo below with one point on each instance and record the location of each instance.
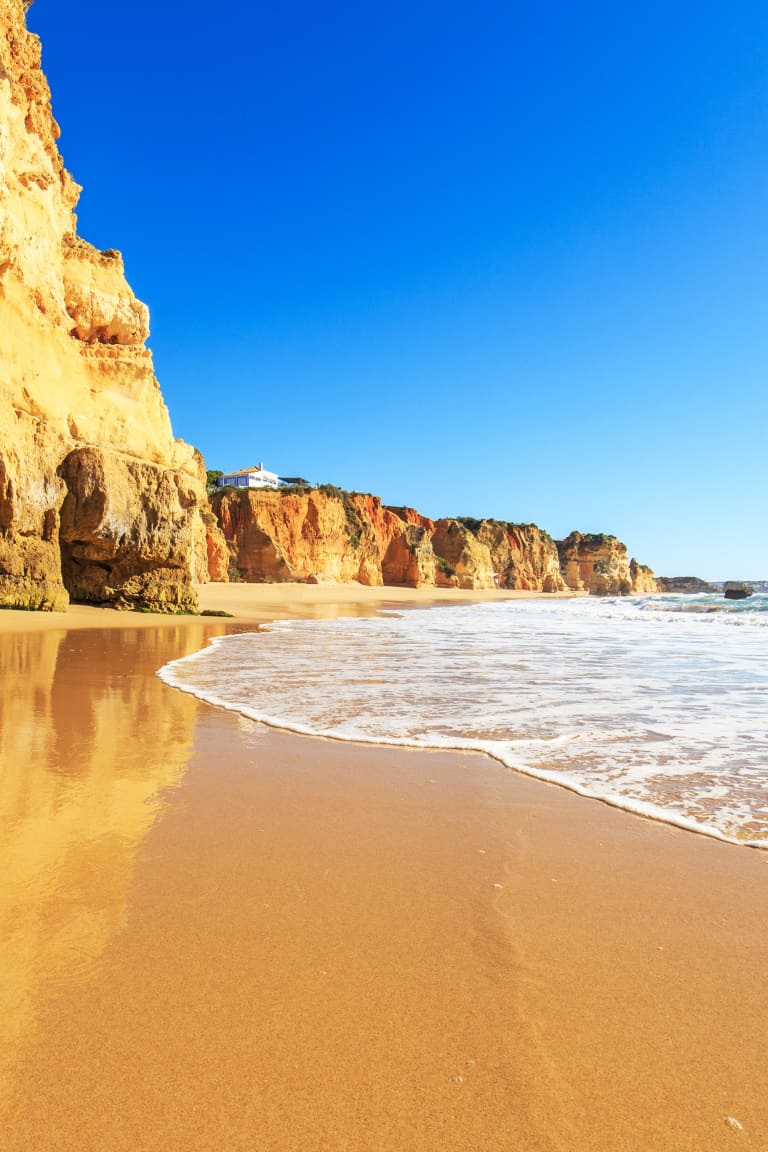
(89, 739)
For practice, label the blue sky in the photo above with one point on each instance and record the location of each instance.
(496, 259)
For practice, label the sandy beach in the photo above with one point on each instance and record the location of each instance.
(217, 935)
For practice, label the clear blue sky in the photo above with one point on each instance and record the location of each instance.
(490, 259)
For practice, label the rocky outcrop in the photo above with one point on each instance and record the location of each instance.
(594, 563)
(522, 555)
(97, 499)
(684, 584)
(302, 536)
(214, 564)
(411, 516)
(410, 559)
(404, 541)
(737, 590)
(598, 564)
(326, 534)
(463, 561)
(118, 546)
(642, 578)
(320, 535)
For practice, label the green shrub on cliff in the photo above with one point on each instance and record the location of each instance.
(356, 525)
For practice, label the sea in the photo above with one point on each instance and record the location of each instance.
(657, 705)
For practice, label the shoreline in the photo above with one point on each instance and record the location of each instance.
(258, 603)
(265, 604)
(640, 812)
(222, 935)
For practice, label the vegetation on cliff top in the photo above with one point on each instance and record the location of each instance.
(474, 524)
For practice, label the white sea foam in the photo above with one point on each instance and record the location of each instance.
(643, 702)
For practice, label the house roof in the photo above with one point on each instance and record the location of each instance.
(250, 471)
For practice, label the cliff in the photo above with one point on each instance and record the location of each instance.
(326, 534)
(684, 584)
(642, 578)
(522, 556)
(598, 564)
(296, 536)
(97, 499)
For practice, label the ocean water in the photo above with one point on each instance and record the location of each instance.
(656, 704)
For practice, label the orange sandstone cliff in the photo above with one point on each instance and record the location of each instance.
(98, 502)
(522, 555)
(642, 578)
(325, 534)
(598, 564)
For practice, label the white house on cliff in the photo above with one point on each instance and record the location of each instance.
(256, 477)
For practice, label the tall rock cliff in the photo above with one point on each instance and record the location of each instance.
(97, 499)
(522, 555)
(642, 578)
(296, 536)
(326, 534)
(598, 564)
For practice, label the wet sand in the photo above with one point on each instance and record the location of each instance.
(220, 936)
(257, 603)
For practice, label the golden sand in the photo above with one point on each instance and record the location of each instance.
(257, 603)
(219, 936)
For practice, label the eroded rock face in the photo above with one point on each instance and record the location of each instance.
(642, 578)
(597, 563)
(411, 516)
(523, 556)
(466, 562)
(280, 536)
(320, 536)
(410, 559)
(125, 531)
(215, 565)
(101, 306)
(326, 534)
(75, 374)
(403, 542)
